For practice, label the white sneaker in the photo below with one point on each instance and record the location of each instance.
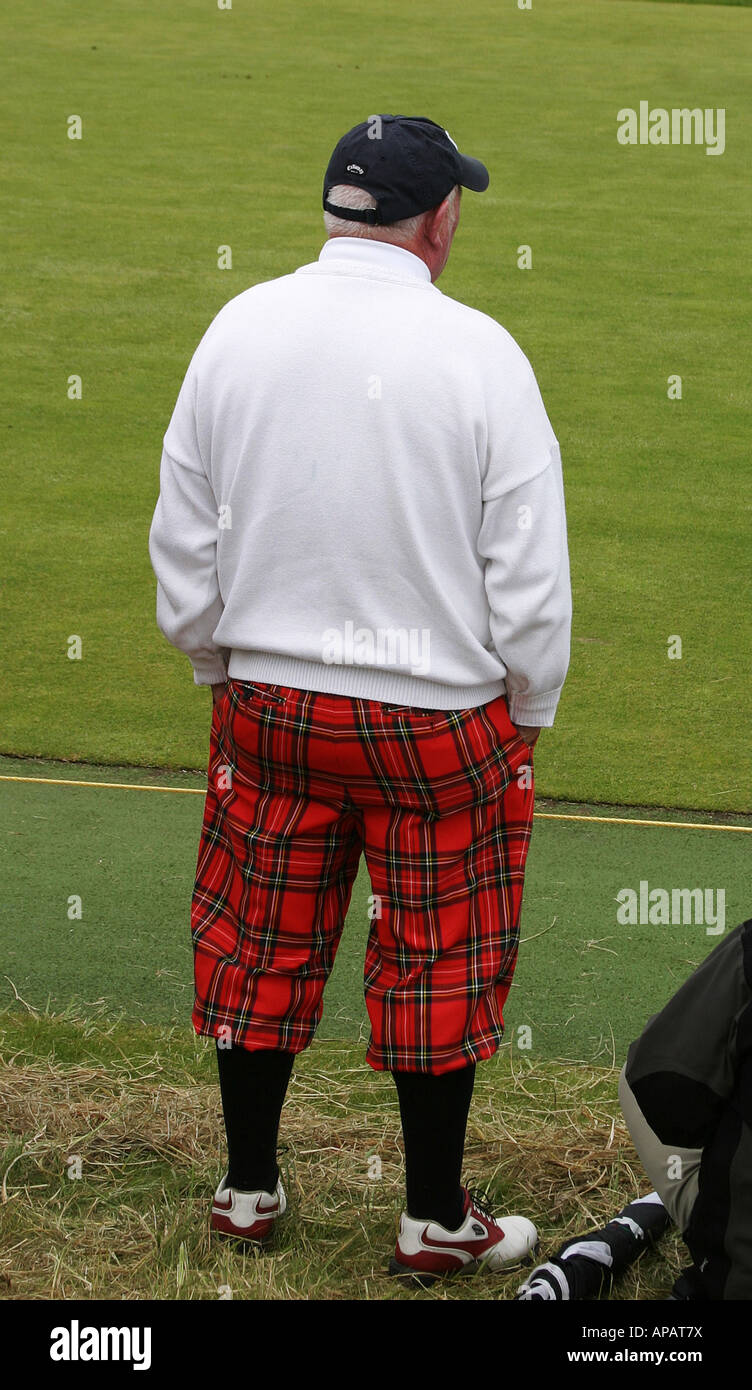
(249, 1215)
(426, 1250)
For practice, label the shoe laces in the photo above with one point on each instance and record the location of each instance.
(481, 1202)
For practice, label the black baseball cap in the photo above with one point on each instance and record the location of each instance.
(408, 164)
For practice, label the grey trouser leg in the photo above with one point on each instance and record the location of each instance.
(674, 1172)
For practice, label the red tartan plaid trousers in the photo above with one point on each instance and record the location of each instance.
(300, 784)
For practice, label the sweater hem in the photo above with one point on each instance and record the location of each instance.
(360, 682)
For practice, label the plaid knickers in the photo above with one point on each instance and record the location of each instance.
(300, 784)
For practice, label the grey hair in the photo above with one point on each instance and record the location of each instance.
(347, 195)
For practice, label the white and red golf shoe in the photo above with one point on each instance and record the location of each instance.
(426, 1251)
(248, 1215)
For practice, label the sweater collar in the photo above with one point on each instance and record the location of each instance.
(365, 252)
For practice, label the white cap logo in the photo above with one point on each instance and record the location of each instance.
(451, 141)
(355, 169)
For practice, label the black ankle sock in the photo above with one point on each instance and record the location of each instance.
(253, 1087)
(434, 1112)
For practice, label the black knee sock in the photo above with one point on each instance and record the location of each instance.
(434, 1112)
(253, 1087)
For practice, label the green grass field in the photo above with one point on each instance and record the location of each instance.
(205, 128)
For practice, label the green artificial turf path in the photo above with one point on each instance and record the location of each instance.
(584, 987)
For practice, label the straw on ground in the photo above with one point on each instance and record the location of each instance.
(136, 1111)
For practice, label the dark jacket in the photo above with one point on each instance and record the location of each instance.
(691, 1074)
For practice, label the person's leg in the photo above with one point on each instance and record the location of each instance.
(278, 856)
(447, 822)
(446, 845)
(253, 1087)
(277, 860)
(673, 1171)
(434, 1111)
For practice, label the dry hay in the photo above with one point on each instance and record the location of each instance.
(545, 1140)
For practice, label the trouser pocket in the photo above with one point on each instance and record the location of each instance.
(255, 692)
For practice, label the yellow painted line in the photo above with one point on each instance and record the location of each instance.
(539, 815)
(634, 820)
(121, 786)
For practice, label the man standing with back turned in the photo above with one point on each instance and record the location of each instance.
(360, 542)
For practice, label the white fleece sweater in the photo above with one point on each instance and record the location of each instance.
(361, 493)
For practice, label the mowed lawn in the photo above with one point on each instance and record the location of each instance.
(205, 128)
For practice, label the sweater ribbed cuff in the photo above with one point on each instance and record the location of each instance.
(209, 672)
(536, 711)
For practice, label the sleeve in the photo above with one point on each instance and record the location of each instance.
(183, 546)
(523, 539)
(682, 1069)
